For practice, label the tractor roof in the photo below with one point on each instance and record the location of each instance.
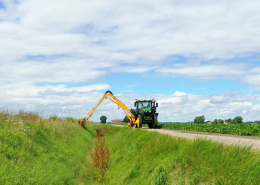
(145, 100)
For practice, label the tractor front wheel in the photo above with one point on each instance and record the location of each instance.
(140, 121)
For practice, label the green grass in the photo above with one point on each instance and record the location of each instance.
(53, 151)
(125, 124)
(236, 129)
(38, 151)
(142, 157)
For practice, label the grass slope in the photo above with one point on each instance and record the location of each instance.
(141, 157)
(53, 151)
(37, 151)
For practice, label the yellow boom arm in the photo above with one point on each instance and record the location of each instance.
(112, 98)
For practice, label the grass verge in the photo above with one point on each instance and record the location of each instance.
(142, 157)
(53, 151)
(42, 151)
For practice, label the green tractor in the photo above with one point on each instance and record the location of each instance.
(145, 113)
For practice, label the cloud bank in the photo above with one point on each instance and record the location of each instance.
(46, 45)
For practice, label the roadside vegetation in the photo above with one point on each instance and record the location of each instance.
(141, 157)
(57, 150)
(235, 129)
(34, 150)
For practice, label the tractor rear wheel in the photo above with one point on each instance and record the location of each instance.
(155, 121)
(140, 121)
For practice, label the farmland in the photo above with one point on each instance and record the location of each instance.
(235, 129)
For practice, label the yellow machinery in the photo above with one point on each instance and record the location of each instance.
(109, 95)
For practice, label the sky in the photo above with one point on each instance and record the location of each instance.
(194, 57)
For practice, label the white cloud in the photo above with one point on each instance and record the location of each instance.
(219, 99)
(61, 41)
(203, 71)
(180, 106)
(140, 32)
(221, 106)
(240, 72)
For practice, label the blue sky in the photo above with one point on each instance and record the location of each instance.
(199, 58)
(149, 84)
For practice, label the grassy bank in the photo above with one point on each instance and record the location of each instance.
(141, 157)
(236, 129)
(53, 151)
(42, 151)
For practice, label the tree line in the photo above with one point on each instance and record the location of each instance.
(236, 120)
(198, 120)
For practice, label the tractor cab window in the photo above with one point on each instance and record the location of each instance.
(144, 105)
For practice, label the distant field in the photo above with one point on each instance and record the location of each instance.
(236, 129)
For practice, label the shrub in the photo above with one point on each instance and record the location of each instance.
(103, 119)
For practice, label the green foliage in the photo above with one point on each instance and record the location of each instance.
(126, 120)
(103, 119)
(218, 121)
(228, 120)
(237, 120)
(55, 118)
(236, 129)
(215, 121)
(199, 119)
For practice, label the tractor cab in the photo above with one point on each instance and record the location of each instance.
(146, 105)
(145, 112)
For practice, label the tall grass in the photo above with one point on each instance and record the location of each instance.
(34, 150)
(53, 151)
(141, 157)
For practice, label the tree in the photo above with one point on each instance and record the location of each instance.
(126, 120)
(199, 119)
(237, 120)
(215, 121)
(103, 119)
(228, 120)
(220, 121)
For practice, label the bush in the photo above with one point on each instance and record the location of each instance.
(126, 120)
(103, 119)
